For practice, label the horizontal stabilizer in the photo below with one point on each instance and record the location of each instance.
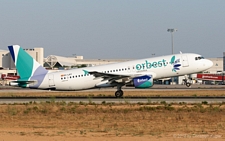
(22, 83)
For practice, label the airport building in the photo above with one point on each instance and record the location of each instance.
(55, 62)
(60, 62)
(217, 65)
(5, 59)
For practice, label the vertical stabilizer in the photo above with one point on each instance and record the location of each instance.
(25, 64)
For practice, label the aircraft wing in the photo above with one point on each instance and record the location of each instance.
(111, 77)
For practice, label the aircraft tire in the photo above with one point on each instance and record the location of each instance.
(119, 93)
(188, 84)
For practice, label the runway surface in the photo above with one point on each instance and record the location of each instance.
(154, 88)
(99, 100)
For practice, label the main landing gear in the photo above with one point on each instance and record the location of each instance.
(119, 92)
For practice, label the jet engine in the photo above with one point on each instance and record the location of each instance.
(145, 81)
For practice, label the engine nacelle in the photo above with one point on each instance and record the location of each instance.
(144, 81)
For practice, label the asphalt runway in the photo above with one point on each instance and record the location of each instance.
(154, 88)
(99, 100)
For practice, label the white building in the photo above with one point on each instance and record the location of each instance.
(5, 59)
(54, 61)
(217, 65)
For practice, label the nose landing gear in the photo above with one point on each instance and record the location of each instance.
(187, 81)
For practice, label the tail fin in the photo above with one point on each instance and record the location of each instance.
(25, 64)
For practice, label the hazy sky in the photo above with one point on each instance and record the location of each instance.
(110, 29)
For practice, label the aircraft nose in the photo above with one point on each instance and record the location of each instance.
(209, 63)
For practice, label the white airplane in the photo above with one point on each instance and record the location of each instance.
(139, 73)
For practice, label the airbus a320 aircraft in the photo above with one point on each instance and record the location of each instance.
(138, 73)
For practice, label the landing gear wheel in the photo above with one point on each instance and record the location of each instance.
(119, 93)
(188, 84)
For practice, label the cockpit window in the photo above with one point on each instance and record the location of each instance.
(199, 58)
